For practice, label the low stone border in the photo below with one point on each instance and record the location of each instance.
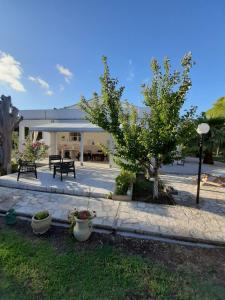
(30, 187)
(126, 230)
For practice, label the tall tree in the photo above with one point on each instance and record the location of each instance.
(9, 119)
(164, 97)
(154, 136)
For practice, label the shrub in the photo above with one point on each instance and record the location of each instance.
(123, 181)
(33, 151)
(41, 215)
(14, 167)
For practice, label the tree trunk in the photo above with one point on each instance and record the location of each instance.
(156, 185)
(156, 179)
(208, 158)
(8, 120)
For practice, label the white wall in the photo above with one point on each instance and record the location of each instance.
(30, 123)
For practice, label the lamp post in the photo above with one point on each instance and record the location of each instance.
(203, 128)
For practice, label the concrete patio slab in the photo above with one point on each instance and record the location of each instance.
(191, 168)
(92, 180)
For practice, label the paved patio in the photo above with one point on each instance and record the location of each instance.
(205, 223)
(92, 179)
(185, 221)
(191, 168)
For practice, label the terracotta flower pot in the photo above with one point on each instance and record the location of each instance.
(41, 226)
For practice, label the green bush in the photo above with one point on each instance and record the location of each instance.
(14, 167)
(123, 181)
(41, 215)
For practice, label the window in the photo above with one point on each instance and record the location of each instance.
(75, 136)
(26, 131)
(39, 136)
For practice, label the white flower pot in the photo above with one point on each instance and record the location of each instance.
(82, 229)
(41, 226)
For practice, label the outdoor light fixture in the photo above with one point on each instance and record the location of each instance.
(203, 128)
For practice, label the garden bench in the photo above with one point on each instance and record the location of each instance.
(26, 167)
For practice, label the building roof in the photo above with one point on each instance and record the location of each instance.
(67, 127)
(52, 114)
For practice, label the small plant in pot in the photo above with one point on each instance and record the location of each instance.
(81, 223)
(41, 222)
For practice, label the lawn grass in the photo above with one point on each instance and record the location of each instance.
(37, 269)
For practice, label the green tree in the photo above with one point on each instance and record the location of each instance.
(164, 97)
(140, 140)
(218, 109)
(215, 139)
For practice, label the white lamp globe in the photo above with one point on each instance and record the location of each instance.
(203, 128)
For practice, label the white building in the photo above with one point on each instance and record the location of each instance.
(66, 132)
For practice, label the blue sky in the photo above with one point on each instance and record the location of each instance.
(51, 50)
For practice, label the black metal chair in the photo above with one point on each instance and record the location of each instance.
(26, 167)
(64, 168)
(54, 159)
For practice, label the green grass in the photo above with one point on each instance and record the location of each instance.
(36, 269)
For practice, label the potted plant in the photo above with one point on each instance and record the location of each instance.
(41, 222)
(81, 223)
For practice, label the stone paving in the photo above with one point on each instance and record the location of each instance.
(187, 222)
(92, 179)
(191, 168)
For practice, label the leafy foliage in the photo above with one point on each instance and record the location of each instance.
(33, 151)
(123, 181)
(166, 128)
(218, 109)
(215, 139)
(139, 139)
(41, 215)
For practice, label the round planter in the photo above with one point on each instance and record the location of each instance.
(82, 229)
(41, 226)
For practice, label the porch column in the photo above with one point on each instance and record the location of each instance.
(21, 136)
(53, 143)
(81, 148)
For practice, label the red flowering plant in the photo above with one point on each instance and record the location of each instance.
(33, 151)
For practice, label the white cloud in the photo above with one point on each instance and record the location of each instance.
(11, 72)
(131, 74)
(49, 93)
(42, 83)
(67, 74)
